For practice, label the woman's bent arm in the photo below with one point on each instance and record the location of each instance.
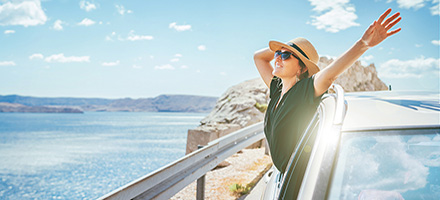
(375, 34)
(262, 60)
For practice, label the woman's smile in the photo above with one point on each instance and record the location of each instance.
(279, 64)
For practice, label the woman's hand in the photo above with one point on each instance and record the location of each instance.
(378, 31)
(374, 35)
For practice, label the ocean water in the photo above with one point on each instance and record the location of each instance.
(84, 156)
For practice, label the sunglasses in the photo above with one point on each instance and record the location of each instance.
(284, 55)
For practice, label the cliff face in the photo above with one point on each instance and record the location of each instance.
(238, 105)
(241, 105)
(357, 77)
(236, 108)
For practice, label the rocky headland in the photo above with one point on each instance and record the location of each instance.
(357, 77)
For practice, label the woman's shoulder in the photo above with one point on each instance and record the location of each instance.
(305, 83)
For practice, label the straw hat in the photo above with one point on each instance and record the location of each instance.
(303, 49)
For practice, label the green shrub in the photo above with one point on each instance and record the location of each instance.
(239, 189)
(261, 107)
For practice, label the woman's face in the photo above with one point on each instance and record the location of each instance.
(286, 68)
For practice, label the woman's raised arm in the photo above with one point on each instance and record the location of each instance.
(262, 60)
(375, 34)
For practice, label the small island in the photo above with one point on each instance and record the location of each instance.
(20, 108)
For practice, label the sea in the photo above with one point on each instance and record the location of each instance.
(85, 156)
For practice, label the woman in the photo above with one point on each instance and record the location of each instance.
(296, 84)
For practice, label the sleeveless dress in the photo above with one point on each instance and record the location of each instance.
(284, 125)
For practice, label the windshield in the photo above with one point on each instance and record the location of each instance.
(399, 164)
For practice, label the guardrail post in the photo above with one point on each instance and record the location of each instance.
(200, 184)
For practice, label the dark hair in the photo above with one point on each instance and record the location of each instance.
(306, 73)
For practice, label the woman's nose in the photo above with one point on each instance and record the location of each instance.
(278, 58)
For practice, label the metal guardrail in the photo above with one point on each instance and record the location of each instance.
(170, 179)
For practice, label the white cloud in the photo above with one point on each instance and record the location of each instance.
(201, 47)
(25, 13)
(58, 25)
(179, 27)
(7, 63)
(428, 156)
(9, 31)
(174, 60)
(36, 56)
(435, 10)
(86, 22)
(167, 67)
(410, 68)
(178, 55)
(133, 37)
(87, 6)
(333, 15)
(365, 60)
(184, 67)
(223, 73)
(139, 37)
(436, 42)
(63, 59)
(110, 37)
(407, 4)
(109, 64)
(418, 45)
(322, 5)
(417, 4)
(137, 67)
(368, 160)
(122, 10)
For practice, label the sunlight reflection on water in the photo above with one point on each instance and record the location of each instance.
(50, 156)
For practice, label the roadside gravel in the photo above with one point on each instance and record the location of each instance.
(244, 168)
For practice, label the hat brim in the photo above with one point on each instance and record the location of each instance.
(311, 67)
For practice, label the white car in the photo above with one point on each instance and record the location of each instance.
(366, 145)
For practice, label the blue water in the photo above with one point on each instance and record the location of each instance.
(84, 156)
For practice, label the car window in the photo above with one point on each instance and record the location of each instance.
(295, 169)
(398, 164)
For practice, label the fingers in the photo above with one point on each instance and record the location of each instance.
(389, 26)
(390, 19)
(390, 22)
(382, 17)
(393, 32)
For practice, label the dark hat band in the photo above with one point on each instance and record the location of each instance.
(298, 49)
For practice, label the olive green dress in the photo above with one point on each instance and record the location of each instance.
(284, 125)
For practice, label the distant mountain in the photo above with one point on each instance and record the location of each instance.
(162, 103)
(44, 101)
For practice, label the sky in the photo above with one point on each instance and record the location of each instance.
(143, 48)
